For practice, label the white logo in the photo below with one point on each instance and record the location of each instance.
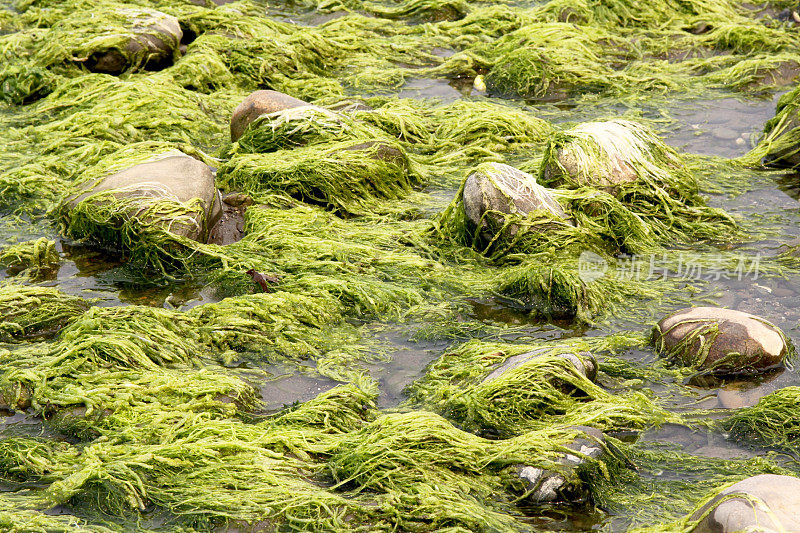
(591, 267)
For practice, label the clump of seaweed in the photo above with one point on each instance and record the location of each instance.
(29, 312)
(345, 176)
(529, 64)
(546, 389)
(36, 259)
(771, 423)
(780, 145)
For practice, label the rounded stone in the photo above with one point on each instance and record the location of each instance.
(723, 341)
(766, 502)
(257, 104)
(505, 189)
(155, 36)
(172, 176)
(605, 155)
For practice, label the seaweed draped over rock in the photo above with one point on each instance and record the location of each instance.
(780, 145)
(546, 388)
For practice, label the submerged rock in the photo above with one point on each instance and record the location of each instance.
(496, 189)
(260, 103)
(606, 155)
(175, 193)
(153, 39)
(767, 503)
(564, 485)
(721, 341)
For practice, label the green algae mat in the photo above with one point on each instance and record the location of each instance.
(376, 377)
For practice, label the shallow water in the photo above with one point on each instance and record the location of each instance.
(723, 127)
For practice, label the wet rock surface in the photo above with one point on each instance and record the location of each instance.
(720, 340)
(761, 503)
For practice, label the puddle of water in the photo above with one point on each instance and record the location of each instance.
(443, 90)
(701, 443)
(724, 127)
(288, 388)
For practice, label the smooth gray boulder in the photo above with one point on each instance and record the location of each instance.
(500, 188)
(260, 103)
(722, 341)
(152, 40)
(173, 179)
(764, 503)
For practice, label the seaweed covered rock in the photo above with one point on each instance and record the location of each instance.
(173, 193)
(780, 146)
(557, 485)
(151, 39)
(495, 189)
(257, 104)
(541, 386)
(296, 126)
(720, 341)
(767, 502)
(583, 362)
(606, 155)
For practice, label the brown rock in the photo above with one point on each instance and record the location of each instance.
(766, 503)
(257, 104)
(719, 340)
(155, 36)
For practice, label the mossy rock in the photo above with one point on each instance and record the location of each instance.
(495, 190)
(257, 104)
(606, 155)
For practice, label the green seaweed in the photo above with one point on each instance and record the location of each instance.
(36, 311)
